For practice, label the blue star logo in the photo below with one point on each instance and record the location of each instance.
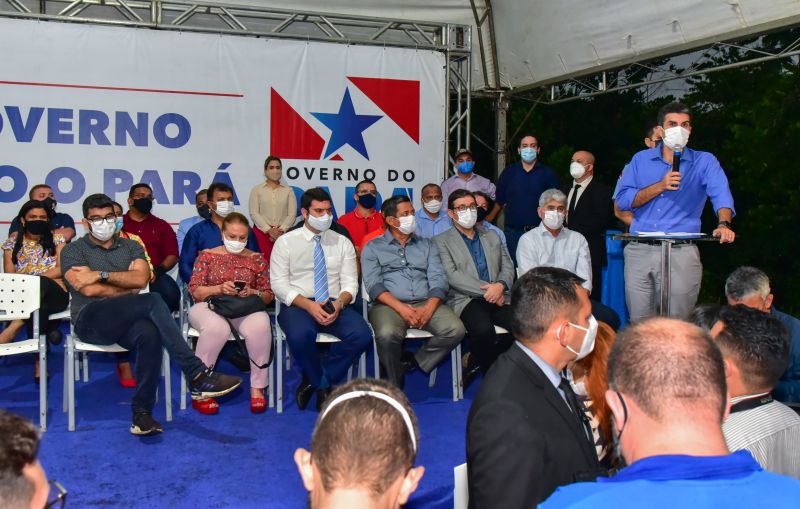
(346, 126)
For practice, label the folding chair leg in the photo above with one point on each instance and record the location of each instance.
(67, 374)
(85, 367)
(279, 368)
(454, 361)
(362, 365)
(459, 371)
(71, 387)
(271, 388)
(432, 378)
(167, 386)
(184, 389)
(376, 360)
(42, 385)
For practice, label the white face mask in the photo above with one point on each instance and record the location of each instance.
(408, 224)
(467, 218)
(553, 219)
(433, 206)
(579, 388)
(105, 231)
(321, 223)
(676, 137)
(588, 339)
(577, 170)
(224, 208)
(233, 246)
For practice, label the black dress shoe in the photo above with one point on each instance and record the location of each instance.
(470, 374)
(409, 362)
(303, 394)
(322, 395)
(55, 337)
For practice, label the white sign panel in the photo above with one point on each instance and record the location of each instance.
(91, 109)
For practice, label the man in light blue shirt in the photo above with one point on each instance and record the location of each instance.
(668, 396)
(664, 200)
(404, 278)
(432, 218)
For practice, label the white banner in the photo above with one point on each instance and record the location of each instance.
(92, 109)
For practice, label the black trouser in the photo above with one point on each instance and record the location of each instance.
(479, 319)
(52, 299)
(140, 323)
(165, 286)
(597, 282)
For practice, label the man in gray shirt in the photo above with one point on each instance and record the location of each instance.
(104, 274)
(403, 276)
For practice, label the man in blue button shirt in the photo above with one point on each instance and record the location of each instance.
(207, 233)
(403, 276)
(518, 191)
(663, 200)
(668, 396)
(432, 218)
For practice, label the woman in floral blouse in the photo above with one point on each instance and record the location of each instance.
(232, 270)
(35, 251)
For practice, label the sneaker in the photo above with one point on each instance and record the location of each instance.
(210, 384)
(144, 425)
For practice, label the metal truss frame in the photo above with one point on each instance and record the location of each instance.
(454, 40)
(654, 75)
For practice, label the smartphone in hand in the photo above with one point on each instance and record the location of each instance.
(328, 308)
(239, 285)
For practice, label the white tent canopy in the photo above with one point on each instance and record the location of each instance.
(541, 42)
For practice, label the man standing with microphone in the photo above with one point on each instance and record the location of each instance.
(666, 188)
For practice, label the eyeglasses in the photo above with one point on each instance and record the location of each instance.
(98, 221)
(58, 495)
(464, 208)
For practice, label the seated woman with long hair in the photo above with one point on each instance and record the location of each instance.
(232, 270)
(35, 251)
(590, 383)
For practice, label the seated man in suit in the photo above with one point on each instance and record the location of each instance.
(480, 274)
(405, 279)
(526, 432)
(589, 212)
(313, 273)
(339, 471)
(551, 244)
(667, 393)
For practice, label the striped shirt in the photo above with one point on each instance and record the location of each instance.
(770, 432)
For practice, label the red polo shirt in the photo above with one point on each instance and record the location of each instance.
(158, 236)
(358, 226)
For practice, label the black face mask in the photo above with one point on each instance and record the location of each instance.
(482, 213)
(37, 227)
(50, 203)
(204, 212)
(367, 201)
(143, 205)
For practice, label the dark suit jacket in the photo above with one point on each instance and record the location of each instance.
(522, 440)
(593, 215)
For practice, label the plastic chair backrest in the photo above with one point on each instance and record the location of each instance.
(460, 491)
(19, 296)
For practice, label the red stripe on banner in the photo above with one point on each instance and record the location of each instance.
(120, 89)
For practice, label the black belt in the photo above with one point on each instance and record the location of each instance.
(751, 403)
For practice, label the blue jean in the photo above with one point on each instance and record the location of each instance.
(142, 324)
(301, 333)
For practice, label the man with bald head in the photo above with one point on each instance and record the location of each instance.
(590, 212)
(668, 397)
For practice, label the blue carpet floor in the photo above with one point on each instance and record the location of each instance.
(232, 459)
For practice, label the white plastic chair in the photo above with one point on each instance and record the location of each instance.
(417, 334)
(322, 338)
(19, 300)
(75, 345)
(461, 488)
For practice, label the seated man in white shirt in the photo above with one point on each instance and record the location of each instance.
(551, 244)
(313, 273)
(755, 346)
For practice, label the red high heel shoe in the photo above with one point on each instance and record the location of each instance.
(258, 405)
(208, 406)
(128, 383)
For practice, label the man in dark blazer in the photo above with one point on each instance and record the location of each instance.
(526, 434)
(590, 211)
(480, 273)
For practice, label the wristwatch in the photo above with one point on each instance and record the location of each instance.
(726, 224)
(104, 276)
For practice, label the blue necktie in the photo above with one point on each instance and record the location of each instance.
(320, 272)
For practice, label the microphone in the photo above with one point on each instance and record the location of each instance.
(676, 162)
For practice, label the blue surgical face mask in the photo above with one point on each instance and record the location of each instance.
(528, 154)
(465, 166)
(118, 225)
(367, 201)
